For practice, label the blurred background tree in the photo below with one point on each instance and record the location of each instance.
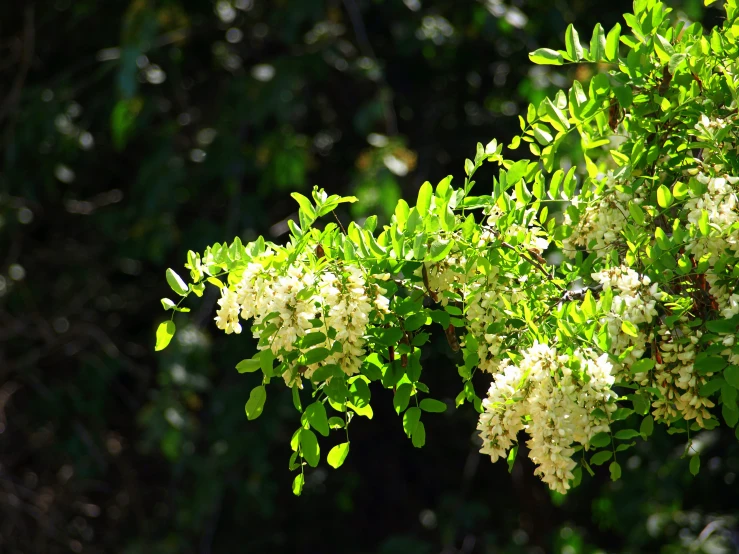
(131, 129)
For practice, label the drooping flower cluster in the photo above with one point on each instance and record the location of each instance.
(298, 302)
(599, 226)
(634, 301)
(345, 307)
(566, 399)
(720, 205)
(676, 377)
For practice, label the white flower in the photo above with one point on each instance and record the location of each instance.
(559, 403)
(227, 316)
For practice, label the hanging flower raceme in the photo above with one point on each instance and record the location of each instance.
(560, 400)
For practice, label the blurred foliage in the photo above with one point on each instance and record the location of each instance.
(131, 129)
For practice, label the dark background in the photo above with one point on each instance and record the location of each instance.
(132, 131)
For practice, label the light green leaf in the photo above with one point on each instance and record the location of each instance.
(615, 470)
(612, 42)
(511, 459)
(305, 205)
(298, 483)
(167, 304)
(338, 454)
(640, 366)
(664, 197)
(572, 43)
(541, 135)
(165, 332)
(424, 198)
(248, 366)
(309, 447)
(411, 417)
(176, 282)
(316, 416)
(598, 44)
(546, 56)
(629, 328)
(402, 397)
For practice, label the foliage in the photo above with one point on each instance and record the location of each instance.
(632, 324)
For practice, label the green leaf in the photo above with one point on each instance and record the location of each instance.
(411, 418)
(248, 366)
(418, 438)
(615, 470)
(337, 455)
(597, 43)
(298, 483)
(728, 396)
(612, 42)
(439, 250)
(512, 457)
(723, 326)
(643, 365)
(572, 43)
(316, 416)
(402, 397)
(621, 413)
(600, 440)
(165, 332)
(424, 198)
(629, 328)
(647, 427)
(731, 414)
(432, 405)
(546, 56)
(664, 197)
(296, 398)
(167, 304)
(176, 282)
(637, 214)
(709, 364)
(601, 457)
(312, 339)
(255, 404)
(266, 361)
(309, 447)
(626, 434)
(695, 464)
(305, 205)
(731, 375)
(315, 355)
(541, 135)
(711, 386)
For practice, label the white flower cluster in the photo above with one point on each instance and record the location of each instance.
(295, 301)
(600, 223)
(446, 275)
(554, 397)
(485, 306)
(346, 308)
(721, 205)
(634, 301)
(675, 377)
